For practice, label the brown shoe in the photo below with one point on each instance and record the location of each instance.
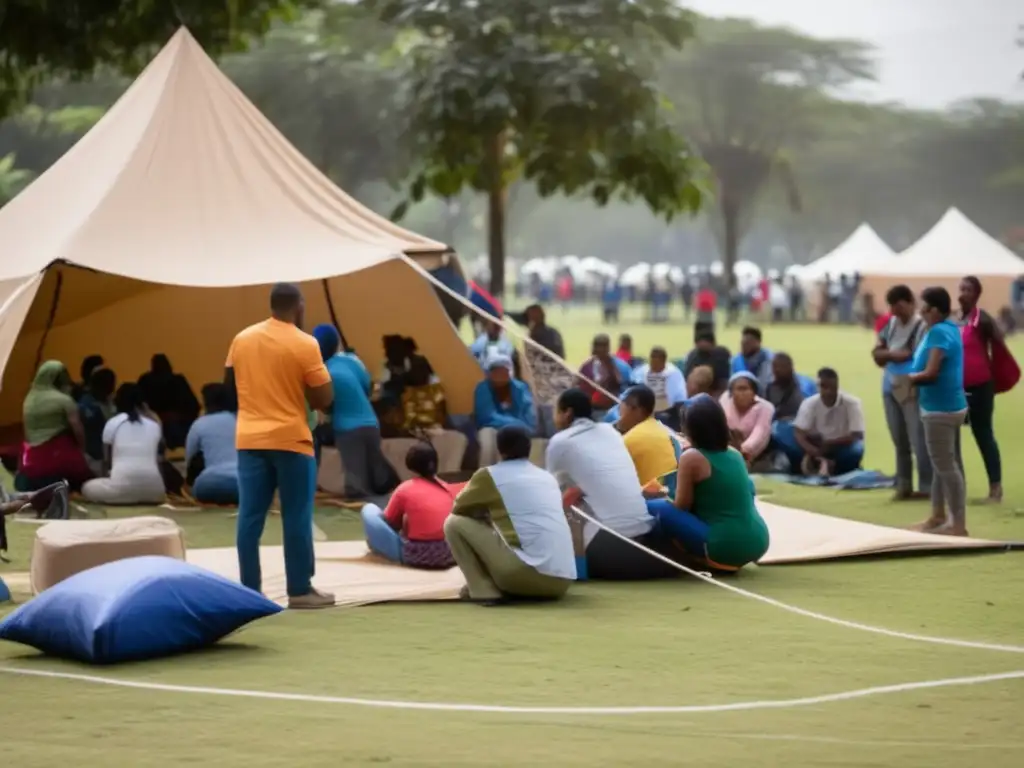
(911, 496)
(311, 600)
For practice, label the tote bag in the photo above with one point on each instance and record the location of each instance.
(1005, 371)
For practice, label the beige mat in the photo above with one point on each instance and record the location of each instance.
(355, 577)
(803, 537)
(345, 568)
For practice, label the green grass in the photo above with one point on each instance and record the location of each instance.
(617, 645)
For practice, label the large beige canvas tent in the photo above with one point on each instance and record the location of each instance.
(162, 229)
(954, 247)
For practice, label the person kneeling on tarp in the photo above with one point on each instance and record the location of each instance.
(507, 530)
(410, 530)
(713, 517)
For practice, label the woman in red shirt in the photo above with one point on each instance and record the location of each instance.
(410, 530)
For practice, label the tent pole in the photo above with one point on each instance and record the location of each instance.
(54, 304)
(334, 315)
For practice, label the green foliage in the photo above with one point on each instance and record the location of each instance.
(12, 179)
(46, 38)
(561, 95)
(327, 83)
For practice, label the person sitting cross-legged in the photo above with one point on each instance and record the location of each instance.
(650, 446)
(500, 401)
(507, 531)
(210, 448)
(828, 430)
(597, 475)
(410, 530)
(749, 418)
(666, 381)
(712, 517)
(784, 392)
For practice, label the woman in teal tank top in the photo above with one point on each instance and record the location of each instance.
(713, 517)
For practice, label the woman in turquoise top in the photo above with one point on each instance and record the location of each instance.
(938, 374)
(722, 528)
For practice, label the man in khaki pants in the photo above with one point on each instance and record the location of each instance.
(507, 531)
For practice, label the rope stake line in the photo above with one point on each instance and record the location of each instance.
(436, 706)
(706, 577)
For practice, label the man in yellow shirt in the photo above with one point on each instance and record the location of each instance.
(648, 441)
(276, 368)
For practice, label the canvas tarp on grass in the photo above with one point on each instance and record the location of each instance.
(355, 577)
(163, 228)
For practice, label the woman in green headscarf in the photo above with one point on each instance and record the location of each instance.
(54, 437)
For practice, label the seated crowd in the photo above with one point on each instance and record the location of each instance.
(667, 469)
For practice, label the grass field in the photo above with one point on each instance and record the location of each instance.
(668, 644)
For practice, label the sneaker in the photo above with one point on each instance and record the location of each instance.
(311, 600)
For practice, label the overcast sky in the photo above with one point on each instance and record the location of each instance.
(930, 52)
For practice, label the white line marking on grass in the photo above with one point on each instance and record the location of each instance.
(708, 578)
(432, 706)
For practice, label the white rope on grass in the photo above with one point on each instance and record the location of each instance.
(706, 577)
(501, 709)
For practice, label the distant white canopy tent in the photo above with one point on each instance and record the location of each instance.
(860, 253)
(953, 248)
(163, 227)
(636, 275)
(544, 268)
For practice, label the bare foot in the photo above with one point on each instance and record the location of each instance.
(950, 530)
(911, 496)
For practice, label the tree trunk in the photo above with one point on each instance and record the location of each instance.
(731, 236)
(496, 216)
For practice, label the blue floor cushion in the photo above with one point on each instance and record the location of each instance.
(134, 609)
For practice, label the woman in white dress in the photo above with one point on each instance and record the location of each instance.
(131, 445)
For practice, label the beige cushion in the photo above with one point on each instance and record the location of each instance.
(66, 547)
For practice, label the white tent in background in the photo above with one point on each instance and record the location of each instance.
(954, 247)
(863, 251)
(636, 275)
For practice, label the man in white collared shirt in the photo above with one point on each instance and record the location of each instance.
(596, 473)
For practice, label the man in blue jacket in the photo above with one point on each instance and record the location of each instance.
(499, 401)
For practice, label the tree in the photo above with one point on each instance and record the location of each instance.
(41, 39)
(326, 81)
(558, 94)
(744, 95)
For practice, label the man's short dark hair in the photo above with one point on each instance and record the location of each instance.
(828, 374)
(576, 400)
(285, 297)
(899, 293)
(642, 397)
(751, 331)
(216, 398)
(659, 352)
(513, 442)
(783, 357)
(938, 298)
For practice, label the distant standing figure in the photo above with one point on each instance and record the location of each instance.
(938, 371)
(979, 332)
(275, 368)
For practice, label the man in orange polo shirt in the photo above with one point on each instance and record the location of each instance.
(276, 368)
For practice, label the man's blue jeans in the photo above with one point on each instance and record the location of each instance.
(293, 475)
